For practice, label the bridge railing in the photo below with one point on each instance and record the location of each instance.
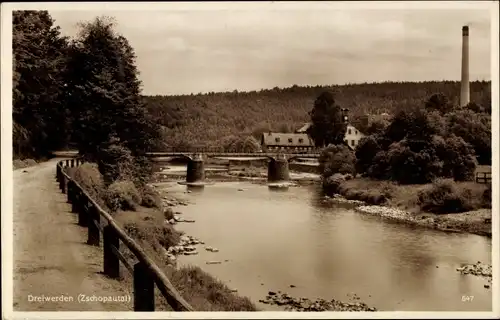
(221, 150)
(145, 272)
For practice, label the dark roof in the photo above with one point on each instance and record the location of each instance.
(287, 139)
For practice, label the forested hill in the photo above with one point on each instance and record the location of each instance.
(209, 119)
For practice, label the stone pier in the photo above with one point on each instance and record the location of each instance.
(195, 170)
(277, 170)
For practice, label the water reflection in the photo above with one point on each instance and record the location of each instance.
(195, 188)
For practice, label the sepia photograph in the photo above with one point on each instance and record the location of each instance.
(250, 159)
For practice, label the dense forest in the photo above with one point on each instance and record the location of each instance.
(209, 119)
(60, 102)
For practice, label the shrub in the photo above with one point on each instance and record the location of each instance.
(168, 213)
(444, 196)
(337, 159)
(89, 178)
(122, 195)
(150, 198)
(209, 293)
(376, 196)
(115, 162)
(164, 235)
(331, 184)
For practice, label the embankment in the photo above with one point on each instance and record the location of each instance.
(149, 226)
(445, 205)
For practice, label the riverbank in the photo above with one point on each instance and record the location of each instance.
(401, 203)
(149, 226)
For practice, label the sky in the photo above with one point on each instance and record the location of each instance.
(192, 48)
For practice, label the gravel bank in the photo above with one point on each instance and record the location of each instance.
(305, 304)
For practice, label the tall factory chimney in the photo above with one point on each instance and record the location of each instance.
(465, 90)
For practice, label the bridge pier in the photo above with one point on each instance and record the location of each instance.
(195, 170)
(278, 171)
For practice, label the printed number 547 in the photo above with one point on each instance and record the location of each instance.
(467, 298)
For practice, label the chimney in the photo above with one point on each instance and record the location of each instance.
(464, 90)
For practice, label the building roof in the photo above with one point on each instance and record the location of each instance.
(304, 128)
(287, 139)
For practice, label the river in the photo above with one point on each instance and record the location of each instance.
(274, 239)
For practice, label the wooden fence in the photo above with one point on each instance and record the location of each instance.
(145, 272)
(483, 177)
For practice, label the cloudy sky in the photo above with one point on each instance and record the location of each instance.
(184, 48)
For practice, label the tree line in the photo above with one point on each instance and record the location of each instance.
(82, 93)
(208, 119)
(418, 145)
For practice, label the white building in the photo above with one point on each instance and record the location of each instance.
(352, 135)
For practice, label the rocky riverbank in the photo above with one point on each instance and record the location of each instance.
(305, 304)
(478, 269)
(476, 222)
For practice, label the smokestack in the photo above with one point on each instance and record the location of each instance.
(464, 90)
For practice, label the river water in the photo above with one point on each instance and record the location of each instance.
(274, 239)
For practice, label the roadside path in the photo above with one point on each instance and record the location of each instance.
(51, 257)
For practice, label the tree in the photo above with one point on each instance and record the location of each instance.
(473, 128)
(328, 126)
(109, 112)
(421, 145)
(376, 126)
(474, 107)
(337, 159)
(439, 102)
(367, 149)
(39, 61)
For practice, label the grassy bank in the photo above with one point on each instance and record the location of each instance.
(145, 222)
(444, 204)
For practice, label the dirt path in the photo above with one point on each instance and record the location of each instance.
(51, 257)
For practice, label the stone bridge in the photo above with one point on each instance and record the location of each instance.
(277, 166)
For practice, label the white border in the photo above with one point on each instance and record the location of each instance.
(7, 175)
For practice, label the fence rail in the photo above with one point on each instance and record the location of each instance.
(145, 272)
(222, 151)
(483, 177)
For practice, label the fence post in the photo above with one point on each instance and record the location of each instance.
(67, 162)
(58, 171)
(144, 288)
(82, 215)
(111, 261)
(63, 186)
(74, 200)
(69, 191)
(93, 217)
(72, 163)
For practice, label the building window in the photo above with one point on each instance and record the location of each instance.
(352, 142)
(277, 139)
(301, 140)
(349, 131)
(290, 140)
